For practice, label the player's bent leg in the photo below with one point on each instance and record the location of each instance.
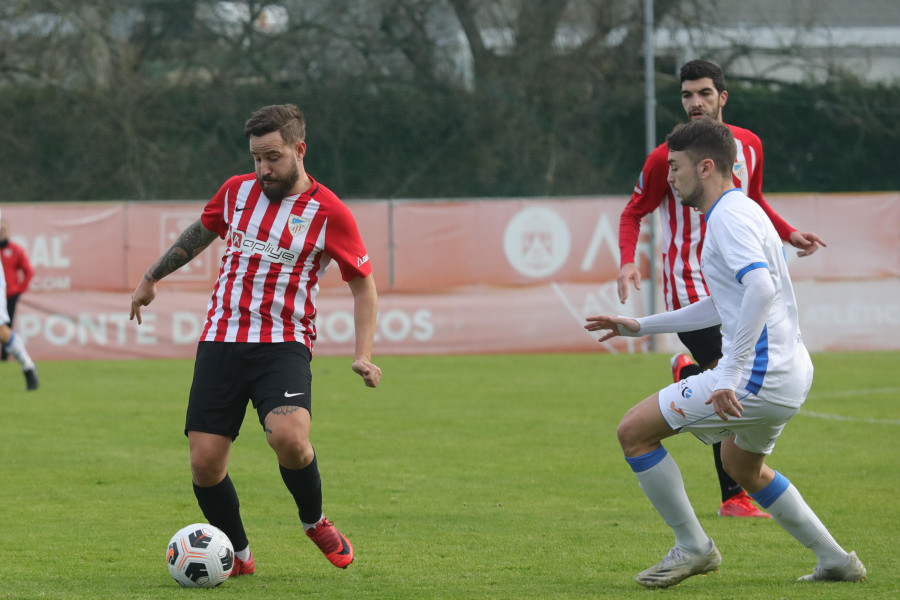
(209, 457)
(643, 427)
(749, 469)
(216, 495)
(287, 432)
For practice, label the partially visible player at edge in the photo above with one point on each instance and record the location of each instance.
(13, 344)
(760, 383)
(703, 94)
(282, 229)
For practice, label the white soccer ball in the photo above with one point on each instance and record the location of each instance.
(200, 555)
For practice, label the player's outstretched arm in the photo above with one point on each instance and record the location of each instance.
(193, 240)
(807, 241)
(629, 273)
(365, 311)
(615, 326)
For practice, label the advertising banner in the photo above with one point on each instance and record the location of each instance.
(468, 276)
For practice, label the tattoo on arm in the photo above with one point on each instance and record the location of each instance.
(192, 241)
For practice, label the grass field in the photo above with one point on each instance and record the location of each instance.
(459, 477)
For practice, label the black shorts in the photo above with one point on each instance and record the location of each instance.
(229, 374)
(705, 345)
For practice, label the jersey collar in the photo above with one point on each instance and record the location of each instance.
(709, 212)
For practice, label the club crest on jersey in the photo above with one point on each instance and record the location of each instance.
(740, 170)
(297, 225)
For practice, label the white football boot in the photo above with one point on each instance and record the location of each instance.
(676, 566)
(852, 571)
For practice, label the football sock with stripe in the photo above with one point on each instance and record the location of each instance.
(789, 509)
(661, 480)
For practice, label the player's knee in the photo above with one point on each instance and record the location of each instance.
(628, 434)
(745, 475)
(293, 450)
(207, 470)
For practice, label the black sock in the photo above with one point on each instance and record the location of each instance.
(305, 486)
(221, 508)
(688, 370)
(727, 485)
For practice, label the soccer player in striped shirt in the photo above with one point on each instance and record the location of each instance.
(13, 344)
(760, 383)
(703, 94)
(282, 229)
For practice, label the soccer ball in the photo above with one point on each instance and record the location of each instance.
(200, 555)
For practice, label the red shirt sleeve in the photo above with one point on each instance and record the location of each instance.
(754, 190)
(213, 217)
(344, 243)
(648, 194)
(25, 267)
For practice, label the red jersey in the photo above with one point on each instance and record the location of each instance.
(682, 227)
(16, 268)
(276, 254)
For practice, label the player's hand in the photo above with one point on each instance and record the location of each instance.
(601, 322)
(143, 295)
(807, 241)
(725, 403)
(628, 273)
(370, 372)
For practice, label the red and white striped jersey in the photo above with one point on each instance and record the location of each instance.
(682, 227)
(275, 256)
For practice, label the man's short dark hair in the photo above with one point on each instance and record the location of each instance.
(705, 138)
(699, 69)
(285, 118)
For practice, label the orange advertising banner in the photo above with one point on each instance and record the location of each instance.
(468, 276)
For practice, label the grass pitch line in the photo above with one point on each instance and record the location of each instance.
(819, 415)
(860, 392)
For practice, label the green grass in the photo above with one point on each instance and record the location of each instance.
(459, 477)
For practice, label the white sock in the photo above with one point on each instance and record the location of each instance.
(16, 348)
(308, 526)
(791, 511)
(664, 487)
(243, 554)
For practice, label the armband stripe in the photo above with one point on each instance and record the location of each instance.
(757, 265)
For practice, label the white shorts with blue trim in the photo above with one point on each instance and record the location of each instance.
(683, 406)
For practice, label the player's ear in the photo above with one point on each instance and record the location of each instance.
(723, 98)
(300, 149)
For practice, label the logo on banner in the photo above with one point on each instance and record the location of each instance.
(297, 225)
(537, 242)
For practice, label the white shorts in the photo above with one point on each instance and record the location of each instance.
(683, 406)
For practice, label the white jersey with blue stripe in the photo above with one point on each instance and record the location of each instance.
(740, 238)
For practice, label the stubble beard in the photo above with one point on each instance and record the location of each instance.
(694, 199)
